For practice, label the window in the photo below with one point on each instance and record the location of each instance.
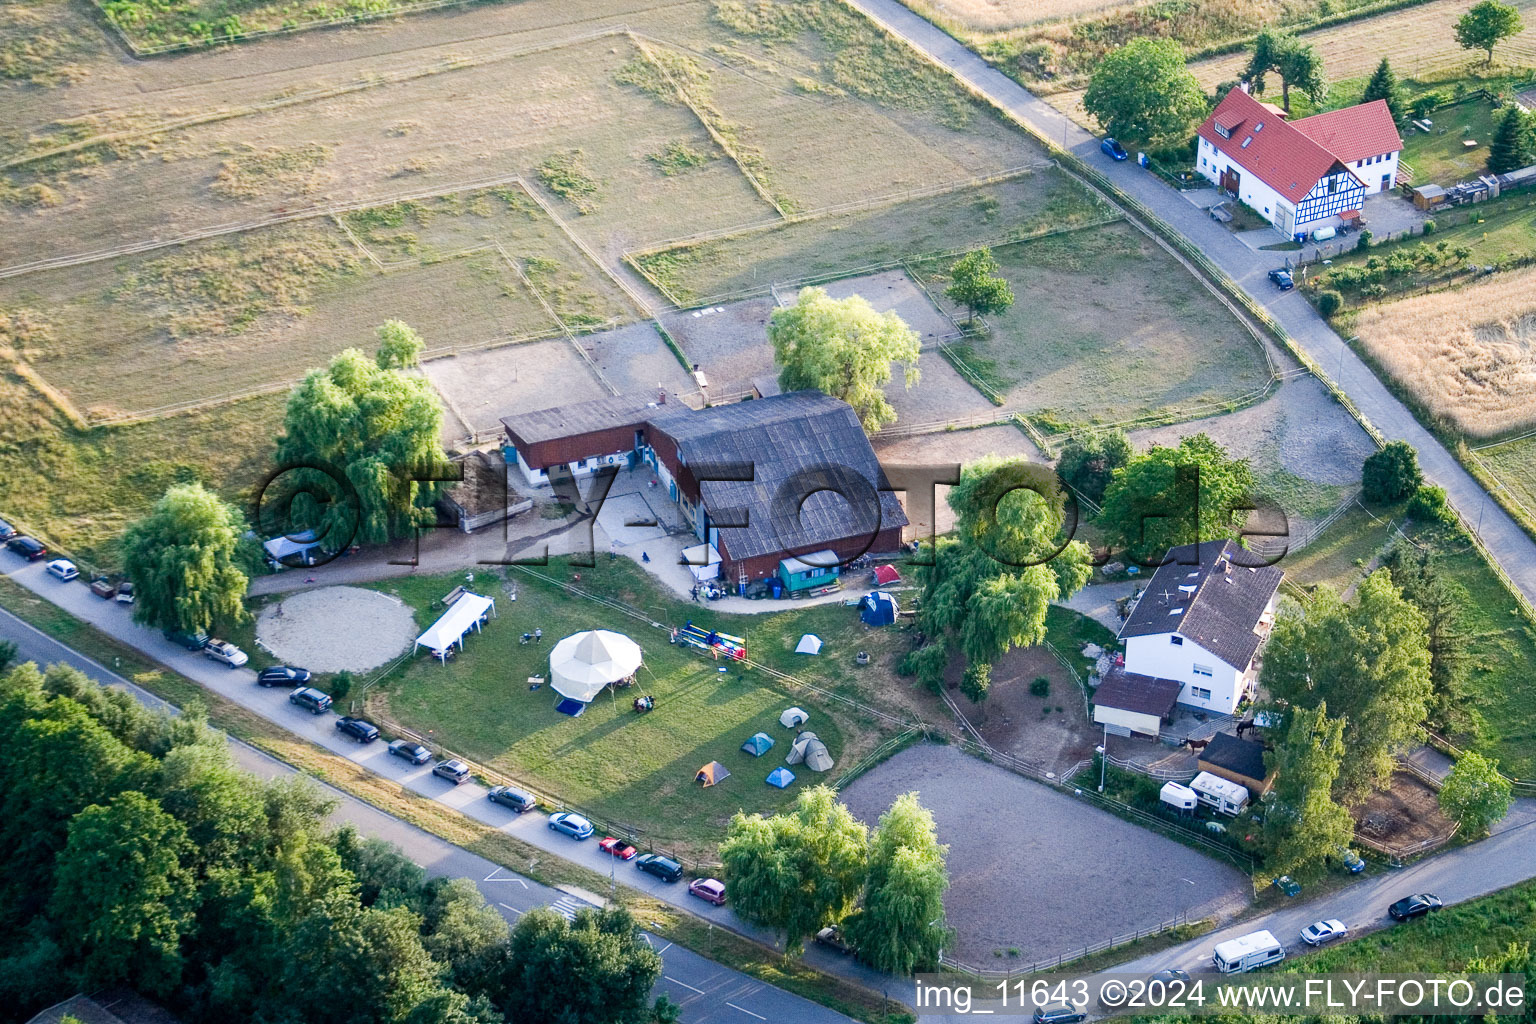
(1222, 130)
(1177, 641)
(1199, 693)
(1203, 670)
(1245, 142)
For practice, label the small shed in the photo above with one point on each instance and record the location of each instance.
(1128, 703)
(793, 718)
(878, 609)
(1239, 761)
(780, 777)
(1218, 793)
(759, 744)
(1428, 196)
(1180, 798)
(712, 773)
(814, 570)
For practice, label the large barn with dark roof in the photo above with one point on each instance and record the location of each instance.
(761, 481)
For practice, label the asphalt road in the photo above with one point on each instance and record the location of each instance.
(708, 992)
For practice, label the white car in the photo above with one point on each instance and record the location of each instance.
(226, 652)
(63, 568)
(1324, 932)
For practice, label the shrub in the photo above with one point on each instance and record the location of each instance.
(341, 685)
(1391, 474)
(1329, 302)
(1041, 687)
(1365, 240)
(1429, 227)
(1428, 505)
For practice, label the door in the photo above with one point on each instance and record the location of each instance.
(1231, 179)
(1386, 182)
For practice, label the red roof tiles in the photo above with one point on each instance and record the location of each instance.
(1284, 158)
(1354, 133)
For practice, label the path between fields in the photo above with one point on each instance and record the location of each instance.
(1512, 548)
(707, 991)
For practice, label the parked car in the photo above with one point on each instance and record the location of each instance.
(410, 750)
(29, 548)
(1321, 932)
(225, 652)
(7, 531)
(1113, 149)
(282, 675)
(664, 868)
(710, 890)
(124, 593)
(1282, 279)
(63, 568)
(1414, 906)
(1168, 975)
(359, 729)
(832, 937)
(573, 825)
(1059, 1013)
(454, 770)
(104, 588)
(618, 847)
(513, 798)
(1288, 885)
(316, 701)
(1353, 863)
(191, 641)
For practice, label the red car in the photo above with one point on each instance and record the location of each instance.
(711, 890)
(618, 847)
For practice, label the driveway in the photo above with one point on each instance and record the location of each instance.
(707, 991)
(1511, 547)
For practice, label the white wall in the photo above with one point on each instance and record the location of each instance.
(1122, 723)
(586, 467)
(1370, 174)
(1159, 657)
(1210, 162)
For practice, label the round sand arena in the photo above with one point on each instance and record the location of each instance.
(336, 629)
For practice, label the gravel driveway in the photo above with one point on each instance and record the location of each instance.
(1033, 869)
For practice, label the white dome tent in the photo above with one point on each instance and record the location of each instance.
(583, 663)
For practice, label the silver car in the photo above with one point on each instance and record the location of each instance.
(1322, 932)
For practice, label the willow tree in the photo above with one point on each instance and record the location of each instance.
(183, 562)
(900, 926)
(360, 453)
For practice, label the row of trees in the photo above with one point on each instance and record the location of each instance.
(138, 853)
(1145, 91)
(817, 865)
(356, 462)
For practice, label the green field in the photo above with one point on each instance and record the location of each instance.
(636, 769)
(1442, 156)
(1106, 328)
(1513, 464)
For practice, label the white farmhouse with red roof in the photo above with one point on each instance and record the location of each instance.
(1300, 175)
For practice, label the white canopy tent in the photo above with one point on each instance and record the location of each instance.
(703, 561)
(281, 547)
(463, 615)
(583, 663)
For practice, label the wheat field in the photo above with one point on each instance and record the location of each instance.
(1468, 355)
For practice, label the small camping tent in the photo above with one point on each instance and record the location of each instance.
(809, 644)
(780, 777)
(794, 718)
(712, 773)
(810, 751)
(878, 609)
(758, 745)
(885, 575)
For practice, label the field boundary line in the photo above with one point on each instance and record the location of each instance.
(368, 253)
(582, 353)
(644, 46)
(1507, 440)
(53, 395)
(642, 304)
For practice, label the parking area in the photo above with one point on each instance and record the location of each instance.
(1034, 872)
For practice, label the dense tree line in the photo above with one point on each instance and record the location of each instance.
(138, 853)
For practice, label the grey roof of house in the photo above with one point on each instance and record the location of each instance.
(1221, 592)
(794, 444)
(579, 418)
(1131, 691)
(1241, 757)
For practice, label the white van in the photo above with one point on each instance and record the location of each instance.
(1256, 949)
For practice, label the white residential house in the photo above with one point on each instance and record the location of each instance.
(1300, 175)
(1193, 638)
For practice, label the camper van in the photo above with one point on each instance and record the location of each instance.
(1220, 794)
(1242, 954)
(1178, 798)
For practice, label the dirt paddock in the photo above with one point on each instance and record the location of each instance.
(1051, 731)
(1406, 814)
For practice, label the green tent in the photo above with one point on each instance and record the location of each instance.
(758, 745)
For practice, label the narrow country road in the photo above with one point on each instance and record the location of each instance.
(708, 992)
(1511, 546)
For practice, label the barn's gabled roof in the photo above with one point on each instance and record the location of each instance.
(1268, 146)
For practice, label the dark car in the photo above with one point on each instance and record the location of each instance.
(832, 937)
(7, 531)
(410, 750)
(1113, 149)
(1169, 975)
(1414, 906)
(513, 798)
(357, 728)
(1059, 1013)
(29, 548)
(191, 641)
(282, 675)
(316, 701)
(454, 770)
(1282, 279)
(664, 868)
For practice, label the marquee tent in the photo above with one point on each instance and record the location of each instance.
(583, 663)
(780, 777)
(758, 745)
(712, 773)
(300, 544)
(467, 613)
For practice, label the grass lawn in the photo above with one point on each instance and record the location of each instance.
(1340, 556)
(1107, 327)
(631, 769)
(1513, 464)
(1441, 155)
